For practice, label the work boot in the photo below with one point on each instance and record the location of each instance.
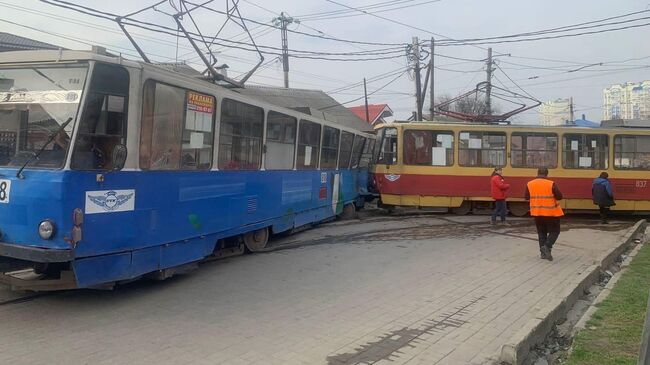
(549, 257)
(546, 253)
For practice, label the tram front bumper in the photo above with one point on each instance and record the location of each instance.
(36, 254)
(17, 268)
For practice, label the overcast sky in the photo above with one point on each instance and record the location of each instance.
(544, 79)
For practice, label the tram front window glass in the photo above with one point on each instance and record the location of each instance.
(347, 140)
(482, 149)
(388, 148)
(308, 145)
(585, 151)
(177, 128)
(103, 121)
(240, 136)
(330, 148)
(357, 149)
(632, 152)
(428, 148)
(366, 156)
(532, 150)
(34, 103)
(280, 141)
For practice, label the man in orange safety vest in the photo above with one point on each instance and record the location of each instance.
(543, 195)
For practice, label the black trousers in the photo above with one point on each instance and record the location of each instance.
(603, 212)
(548, 230)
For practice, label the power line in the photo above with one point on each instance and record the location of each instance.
(579, 26)
(374, 11)
(548, 37)
(371, 93)
(234, 44)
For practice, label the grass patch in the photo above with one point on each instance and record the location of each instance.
(613, 334)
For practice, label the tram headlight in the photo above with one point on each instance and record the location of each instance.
(46, 229)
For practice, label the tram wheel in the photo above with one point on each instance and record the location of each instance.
(518, 209)
(463, 209)
(349, 212)
(256, 241)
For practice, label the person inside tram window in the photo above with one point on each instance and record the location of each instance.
(603, 195)
(499, 189)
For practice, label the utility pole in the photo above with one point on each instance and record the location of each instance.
(431, 69)
(418, 81)
(488, 88)
(282, 21)
(571, 116)
(365, 95)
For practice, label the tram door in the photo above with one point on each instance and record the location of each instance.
(106, 194)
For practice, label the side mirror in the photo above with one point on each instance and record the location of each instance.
(118, 157)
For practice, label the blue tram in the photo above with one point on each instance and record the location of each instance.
(208, 172)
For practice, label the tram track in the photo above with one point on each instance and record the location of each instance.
(416, 230)
(22, 299)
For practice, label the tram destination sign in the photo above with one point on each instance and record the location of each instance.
(41, 97)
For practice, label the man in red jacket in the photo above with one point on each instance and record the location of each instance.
(499, 188)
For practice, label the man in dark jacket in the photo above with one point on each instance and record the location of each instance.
(498, 188)
(603, 196)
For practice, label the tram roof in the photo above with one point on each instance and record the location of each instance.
(69, 56)
(564, 128)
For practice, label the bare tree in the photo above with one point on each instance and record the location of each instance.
(470, 105)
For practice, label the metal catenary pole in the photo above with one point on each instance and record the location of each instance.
(365, 96)
(488, 88)
(283, 21)
(418, 81)
(432, 69)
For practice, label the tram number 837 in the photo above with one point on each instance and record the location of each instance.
(639, 184)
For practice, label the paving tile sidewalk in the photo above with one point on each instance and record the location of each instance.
(423, 290)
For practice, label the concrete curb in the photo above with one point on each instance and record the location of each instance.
(517, 348)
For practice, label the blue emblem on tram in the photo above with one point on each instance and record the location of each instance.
(112, 200)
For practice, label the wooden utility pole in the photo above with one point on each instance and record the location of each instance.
(418, 80)
(431, 69)
(488, 87)
(365, 95)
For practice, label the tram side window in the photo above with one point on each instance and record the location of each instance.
(103, 122)
(388, 147)
(366, 156)
(632, 152)
(308, 145)
(347, 140)
(240, 136)
(428, 148)
(177, 128)
(330, 148)
(532, 150)
(482, 149)
(280, 141)
(585, 151)
(357, 149)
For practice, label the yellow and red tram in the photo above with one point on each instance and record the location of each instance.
(427, 164)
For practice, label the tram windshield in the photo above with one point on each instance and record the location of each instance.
(34, 103)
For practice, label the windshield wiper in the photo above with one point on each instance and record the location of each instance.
(19, 174)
